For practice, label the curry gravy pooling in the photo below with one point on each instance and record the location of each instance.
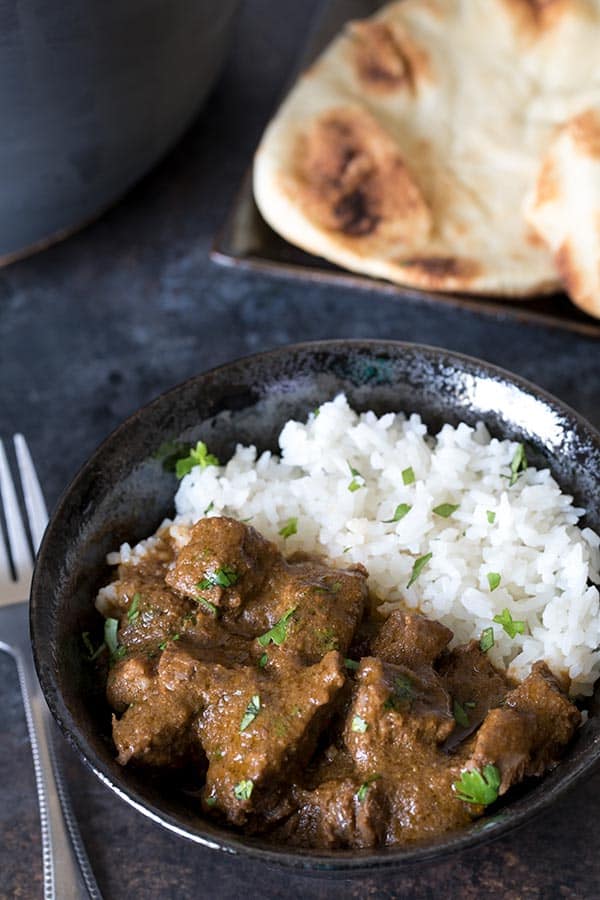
(305, 715)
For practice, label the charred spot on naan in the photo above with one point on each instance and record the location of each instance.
(584, 131)
(442, 272)
(352, 180)
(386, 58)
(534, 17)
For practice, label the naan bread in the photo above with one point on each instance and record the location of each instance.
(406, 151)
(564, 208)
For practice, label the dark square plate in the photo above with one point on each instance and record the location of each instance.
(247, 242)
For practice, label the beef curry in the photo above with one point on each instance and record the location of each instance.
(304, 714)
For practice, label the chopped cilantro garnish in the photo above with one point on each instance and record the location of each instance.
(494, 579)
(408, 476)
(355, 484)
(351, 664)
(224, 577)
(92, 654)
(460, 716)
(362, 791)
(290, 528)
(328, 639)
(401, 510)
(198, 456)
(134, 610)
(207, 605)
(491, 516)
(316, 412)
(252, 710)
(278, 633)
(263, 661)
(327, 588)
(243, 790)
(477, 787)
(210, 801)
(486, 641)
(402, 692)
(418, 566)
(116, 650)
(358, 724)
(163, 644)
(518, 464)
(511, 626)
(445, 509)
(210, 506)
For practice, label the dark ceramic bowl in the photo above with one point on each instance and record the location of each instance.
(124, 492)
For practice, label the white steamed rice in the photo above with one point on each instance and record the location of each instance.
(546, 563)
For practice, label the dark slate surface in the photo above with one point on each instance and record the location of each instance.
(94, 327)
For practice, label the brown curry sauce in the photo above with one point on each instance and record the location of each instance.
(305, 715)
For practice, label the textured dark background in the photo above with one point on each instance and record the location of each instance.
(98, 325)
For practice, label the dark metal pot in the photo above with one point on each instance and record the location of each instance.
(92, 94)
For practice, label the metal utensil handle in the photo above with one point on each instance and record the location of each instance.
(67, 873)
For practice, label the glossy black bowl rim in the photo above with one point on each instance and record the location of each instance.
(316, 862)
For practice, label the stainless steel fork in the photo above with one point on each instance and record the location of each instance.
(67, 873)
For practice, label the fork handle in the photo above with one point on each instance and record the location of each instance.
(67, 872)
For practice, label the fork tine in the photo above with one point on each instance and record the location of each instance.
(17, 538)
(32, 492)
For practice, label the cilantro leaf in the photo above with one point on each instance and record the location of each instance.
(351, 664)
(116, 650)
(198, 456)
(92, 654)
(358, 725)
(418, 566)
(252, 710)
(445, 509)
(491, 516)
(402, 692)
(278, 633)
(263, 661)
(494, 579)
(362, 791)
(207, 605)
(477, 787)
(134, 609)
(511, 626)
(355, 485)
(486, 641)
(401, 510)
(460, 716)
(243, 789)
(224, 577)
(408, 475)
(290, 528)
(518, 464)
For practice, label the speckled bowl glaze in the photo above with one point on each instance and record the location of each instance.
(124, 492)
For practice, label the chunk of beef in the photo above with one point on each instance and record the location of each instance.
(153, 615)
(474, 682)
(393, 707)
(410, 639)
(130, 680)
(225, 561)
(324, 606)
(529, 733)
(341, 812)
(256, 732)
(156, 731)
